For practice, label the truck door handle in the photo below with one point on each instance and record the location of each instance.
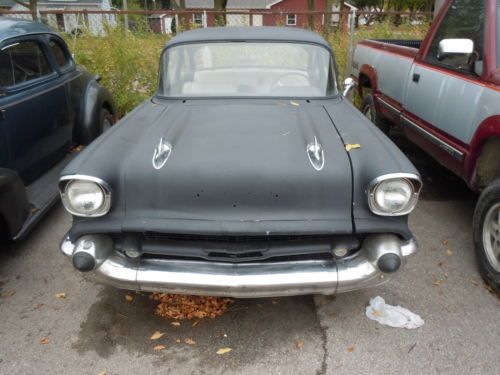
(416, 77)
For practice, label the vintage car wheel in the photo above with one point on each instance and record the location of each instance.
(370, 111)
(106, 120)
(487, 234)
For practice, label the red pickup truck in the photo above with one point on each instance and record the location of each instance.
(444, 94)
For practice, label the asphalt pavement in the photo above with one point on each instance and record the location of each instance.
(95, 330)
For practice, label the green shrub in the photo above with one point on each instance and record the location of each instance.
(128, 61)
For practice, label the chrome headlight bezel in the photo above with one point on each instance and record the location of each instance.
(413, 181)
(65, 182)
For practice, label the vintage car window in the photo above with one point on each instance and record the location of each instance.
(22, 62)
(60, 54)
(464, 20)
(248, 69)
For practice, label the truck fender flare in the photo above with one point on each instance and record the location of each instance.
(14, 206)
(94, 99)
(489, 129)
(370, 72)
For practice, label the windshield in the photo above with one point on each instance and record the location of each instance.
(247, 69)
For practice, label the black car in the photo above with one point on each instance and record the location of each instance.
(248, 174)
(47, 105)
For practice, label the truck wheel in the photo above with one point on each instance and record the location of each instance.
(106, 120)
(370, 111)
(486, 228)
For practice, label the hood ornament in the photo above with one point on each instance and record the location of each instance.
(161, 153)
(316, 154)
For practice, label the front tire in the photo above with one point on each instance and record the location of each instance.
(486, 228)
(106, 120)
(370, 111)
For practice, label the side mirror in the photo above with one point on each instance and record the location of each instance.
(449, 47)
(349, 84)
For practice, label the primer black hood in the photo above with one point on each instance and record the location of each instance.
(236, 166)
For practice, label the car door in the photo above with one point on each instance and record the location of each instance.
(34, 110)
(442, 92)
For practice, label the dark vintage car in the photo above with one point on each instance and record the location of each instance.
(47, 105)
(246, 175)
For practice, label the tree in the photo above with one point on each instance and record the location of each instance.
(31, 5)
(220, 6)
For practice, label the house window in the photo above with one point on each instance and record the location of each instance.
(198, 19)
(291, 19)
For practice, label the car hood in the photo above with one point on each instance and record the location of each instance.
(229, 163)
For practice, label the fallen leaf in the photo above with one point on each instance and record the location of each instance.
(157, 348)
(445, 242)
(176, 324)
(196, 323)
(350, 349)
(274, 302)
(323, 301)
(449, 252)
(44, 341)
(300, 344)
(179, 306)
(102, 372)
(437, 282)
(157, 335)
(9, 293)
(377, 313)
(474, 282)
(223, 351)
(38, 306)
(61, 295)
(129, 298)
(177, 340)
(294, 103)
(190, 341)
(349, 146)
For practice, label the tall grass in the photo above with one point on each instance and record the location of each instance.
(128, 61)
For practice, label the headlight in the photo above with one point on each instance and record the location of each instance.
(85, 196)
(394, 195)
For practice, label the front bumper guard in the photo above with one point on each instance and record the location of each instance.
(241, 280)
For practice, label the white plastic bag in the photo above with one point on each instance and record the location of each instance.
(392, 316)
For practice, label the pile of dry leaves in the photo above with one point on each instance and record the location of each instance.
(180, 306)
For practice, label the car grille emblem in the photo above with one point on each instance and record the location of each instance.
(316, 154)
(161, 154)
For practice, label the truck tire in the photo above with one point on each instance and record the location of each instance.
(370, 111)
(106, 120)
(486, 233)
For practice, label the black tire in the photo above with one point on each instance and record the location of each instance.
(106, 120)
(370, 111)
(486, 228)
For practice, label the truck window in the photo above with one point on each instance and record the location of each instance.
(464, 20)
(22, 62)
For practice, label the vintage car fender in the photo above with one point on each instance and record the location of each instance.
(13, 203)
(488, 130)
(95, 98)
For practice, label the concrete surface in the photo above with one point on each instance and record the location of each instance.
(94, 329)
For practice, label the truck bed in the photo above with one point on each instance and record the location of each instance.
(403, 47)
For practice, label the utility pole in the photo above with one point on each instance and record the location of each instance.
(125, 19)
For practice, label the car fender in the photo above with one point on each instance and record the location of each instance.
(489, 129)
(14, 207)
(94, 99)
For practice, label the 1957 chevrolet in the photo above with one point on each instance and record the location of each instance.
(246, 175)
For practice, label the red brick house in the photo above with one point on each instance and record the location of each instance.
(293, 13)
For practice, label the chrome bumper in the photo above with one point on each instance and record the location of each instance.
(242, 280)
